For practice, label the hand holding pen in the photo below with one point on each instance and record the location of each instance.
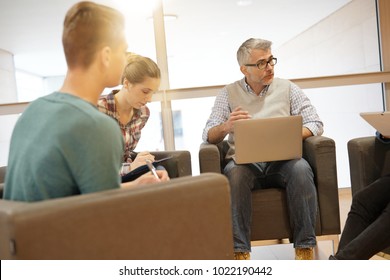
(156, 176)
(152, 168)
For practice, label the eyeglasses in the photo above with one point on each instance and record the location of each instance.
(262, 64)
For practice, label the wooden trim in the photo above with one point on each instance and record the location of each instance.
(384, 31)
(13, 108)
(384, 34)
(304, 83)
(211, 91)
(161, 53)
(343, 80)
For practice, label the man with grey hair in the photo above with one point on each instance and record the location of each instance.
(260, 95)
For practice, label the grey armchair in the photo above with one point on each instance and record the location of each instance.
(184, 218)
(150, 222)
(179, 165)
(369, 159)
(2, 177)
(270, 222)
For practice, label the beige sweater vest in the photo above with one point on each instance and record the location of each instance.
(275, 103)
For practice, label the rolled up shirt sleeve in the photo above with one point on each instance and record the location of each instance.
(219, 114)
(301, 105)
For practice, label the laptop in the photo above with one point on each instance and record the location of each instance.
(268, 139)
(378, 120)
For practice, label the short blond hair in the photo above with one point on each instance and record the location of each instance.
(140, 67)
(87, 28)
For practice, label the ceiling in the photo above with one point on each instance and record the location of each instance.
(31, 29)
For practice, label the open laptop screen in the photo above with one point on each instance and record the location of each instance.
(268, 139)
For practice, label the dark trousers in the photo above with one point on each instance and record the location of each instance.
(367, 229)
(295, 176)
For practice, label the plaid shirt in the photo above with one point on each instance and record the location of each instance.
(132, 130)
(299, 102)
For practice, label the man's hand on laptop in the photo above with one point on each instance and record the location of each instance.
(237, 114)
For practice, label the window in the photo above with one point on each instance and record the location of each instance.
(29, 86)
(336, 37)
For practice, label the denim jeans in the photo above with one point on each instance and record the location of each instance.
(367, 229)
(295, 176)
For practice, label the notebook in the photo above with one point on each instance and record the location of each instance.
(378, 120)
(139, 171)
(268, 139)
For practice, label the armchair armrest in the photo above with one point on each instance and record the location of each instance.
(209, 158)
(179, 165)
(320, 152)
(2, 178)
(369, 159)
(2, 173)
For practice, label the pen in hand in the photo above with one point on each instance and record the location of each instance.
(152, 168)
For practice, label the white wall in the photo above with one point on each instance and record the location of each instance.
(52, 84)
(342, 43)
(7, 124)
(8, 94)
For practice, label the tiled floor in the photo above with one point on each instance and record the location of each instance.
(324, 248)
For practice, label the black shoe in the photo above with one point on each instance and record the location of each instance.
(331, 257)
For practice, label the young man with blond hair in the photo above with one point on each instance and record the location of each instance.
(62, 145)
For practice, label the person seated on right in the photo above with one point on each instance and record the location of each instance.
(367, 229)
